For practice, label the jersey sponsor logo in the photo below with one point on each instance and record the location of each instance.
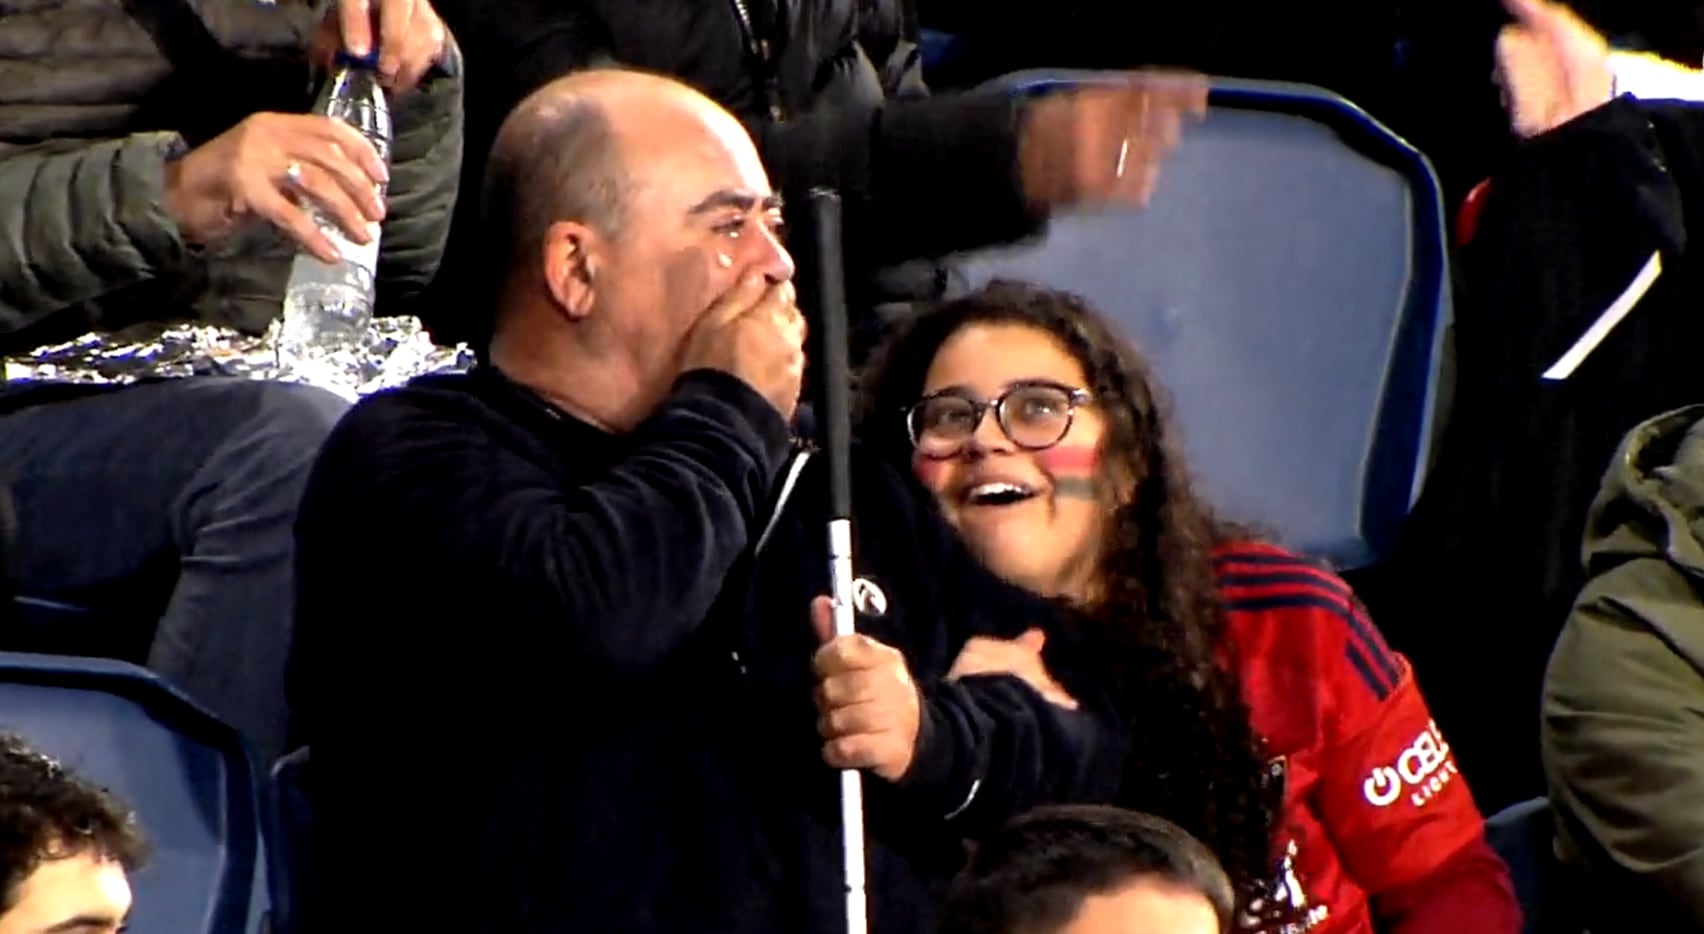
(1421, 772)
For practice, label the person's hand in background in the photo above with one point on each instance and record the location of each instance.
(1551, 66)
(1105, 143)
(408, 35)
(267, 169)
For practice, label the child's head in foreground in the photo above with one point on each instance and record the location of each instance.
(1085, 869)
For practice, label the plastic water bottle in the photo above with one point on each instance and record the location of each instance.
(328, 306)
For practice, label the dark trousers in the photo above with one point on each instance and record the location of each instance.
(164, 512)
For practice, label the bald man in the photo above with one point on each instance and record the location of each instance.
(556, 658)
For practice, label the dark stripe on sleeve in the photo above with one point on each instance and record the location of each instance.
(1380, 670)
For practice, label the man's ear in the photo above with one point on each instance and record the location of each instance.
(569, 255)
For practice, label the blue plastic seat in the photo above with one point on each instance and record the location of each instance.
(1289, 283)
(291, 815)
(1524, 835)
(937, 47)
(186, 774)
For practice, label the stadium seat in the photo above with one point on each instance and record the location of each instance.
(1289, 282)
(937, 47)
(1524, 836)
(290, 824)
(54, 627)
(186, 774)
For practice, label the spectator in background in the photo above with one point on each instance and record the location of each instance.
(1623, 702)
(66, 849)
(1553, 67)
(1295, 744)
(595, 559)
(831, 90)
(1088, 869)
(1577, 221)
(140, 146)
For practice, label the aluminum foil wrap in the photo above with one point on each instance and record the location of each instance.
(395, 351)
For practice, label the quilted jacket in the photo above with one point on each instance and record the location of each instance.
(96, 96)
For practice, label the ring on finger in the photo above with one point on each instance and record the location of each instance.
(293, 175)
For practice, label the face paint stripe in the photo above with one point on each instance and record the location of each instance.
(1068, 459)
(930, 471)
(1075, 488)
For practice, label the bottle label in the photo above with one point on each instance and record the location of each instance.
(364, 255)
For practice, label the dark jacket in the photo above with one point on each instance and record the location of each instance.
(8, 555)
(1490, 561)
(1623, 735)
(921, 177)
(112, 89)
(555, 653)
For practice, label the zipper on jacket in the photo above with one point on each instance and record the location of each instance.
(760, 57)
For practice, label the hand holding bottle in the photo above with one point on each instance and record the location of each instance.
(267, 168)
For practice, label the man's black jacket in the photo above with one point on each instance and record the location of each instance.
(547, 680)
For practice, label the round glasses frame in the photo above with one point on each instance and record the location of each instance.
(1075, 398)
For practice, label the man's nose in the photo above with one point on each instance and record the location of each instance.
(772, 258)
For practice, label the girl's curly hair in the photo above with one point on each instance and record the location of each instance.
(1195, 758)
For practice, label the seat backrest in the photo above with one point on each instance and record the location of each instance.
(186, 774)
(1288, 282)
(1524, 835)
(290, 813)
(8, 555)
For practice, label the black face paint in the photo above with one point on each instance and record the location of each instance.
(1076, 488)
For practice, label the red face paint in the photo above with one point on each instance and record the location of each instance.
(930, 471)
(1063, 460)
(1072, 468)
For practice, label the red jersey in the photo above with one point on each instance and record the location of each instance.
(1372, 798)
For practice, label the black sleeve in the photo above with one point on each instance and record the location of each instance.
(530, 42)
(625, 566)
(921, 177)
(977, 17)
(990, 747)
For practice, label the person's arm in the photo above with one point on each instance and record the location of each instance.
(627, 564)
(532, 43)
(82, 219)
(1651, 77)
(1623, 731)
(1469, 891)
(889, 34)
(1391, 798)
(426, 154)
(921, 177)
(990, 746)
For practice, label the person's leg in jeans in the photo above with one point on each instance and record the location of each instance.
(187, 489)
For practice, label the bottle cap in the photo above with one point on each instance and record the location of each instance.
(347, 59)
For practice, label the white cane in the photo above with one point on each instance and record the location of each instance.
(835, 425)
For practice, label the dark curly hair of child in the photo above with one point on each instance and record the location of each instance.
(48, 813)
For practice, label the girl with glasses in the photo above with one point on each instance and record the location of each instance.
(1268, 717)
